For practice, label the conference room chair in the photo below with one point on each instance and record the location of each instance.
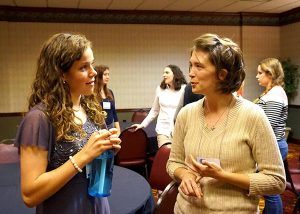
(159, 178)
(133, 153)
(8, 152)
(7, 141)
(139, 115)
(293, 185)
(166, 201)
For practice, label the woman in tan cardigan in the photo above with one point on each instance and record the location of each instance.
(224, 153)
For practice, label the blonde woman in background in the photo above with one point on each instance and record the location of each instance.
(274, 102)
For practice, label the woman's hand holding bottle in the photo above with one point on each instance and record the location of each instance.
(115, 140)
(99, 142)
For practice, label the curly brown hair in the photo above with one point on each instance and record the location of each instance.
(57, 56)
(223, 54)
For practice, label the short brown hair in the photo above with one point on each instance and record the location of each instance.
(223, 54)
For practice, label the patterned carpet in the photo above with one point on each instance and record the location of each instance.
(288, 198)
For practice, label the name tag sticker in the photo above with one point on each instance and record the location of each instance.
(214, 160)
(106, 105)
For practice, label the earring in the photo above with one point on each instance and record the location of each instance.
(64, 82)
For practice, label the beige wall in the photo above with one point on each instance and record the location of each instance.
(259, 42)
(136, 55)
(290, 47)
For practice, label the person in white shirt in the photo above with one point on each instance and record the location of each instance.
(167, 99)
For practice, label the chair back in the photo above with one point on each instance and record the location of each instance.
(139, 116)
(293, 184)
(167, 200)
(8, 152)
(7, 141)
(134, 148)
(159, 178)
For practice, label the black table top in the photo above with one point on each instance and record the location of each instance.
(131, 193)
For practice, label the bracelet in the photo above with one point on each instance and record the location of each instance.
(75, 164)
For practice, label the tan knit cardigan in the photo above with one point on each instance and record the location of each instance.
(244, 142)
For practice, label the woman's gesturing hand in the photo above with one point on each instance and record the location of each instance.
(190, 184)
(206, 168)
(137, 126)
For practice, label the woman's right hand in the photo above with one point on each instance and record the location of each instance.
(137, 126)
(99, 142)
(190, 184)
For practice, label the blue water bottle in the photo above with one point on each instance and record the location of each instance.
(101, 173)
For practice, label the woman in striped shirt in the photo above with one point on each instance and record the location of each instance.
(274, 102)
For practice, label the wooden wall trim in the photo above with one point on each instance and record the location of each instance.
(16, 114)
(294, 140)
(133, 109)
(294, 106)
(21, 114)
(289, 17)
(63, 15)
(12, 114)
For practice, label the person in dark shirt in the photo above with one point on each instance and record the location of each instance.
(189, 96)
(106, 97)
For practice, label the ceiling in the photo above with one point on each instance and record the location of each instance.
(228, 6)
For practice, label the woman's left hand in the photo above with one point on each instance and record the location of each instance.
(206, 168)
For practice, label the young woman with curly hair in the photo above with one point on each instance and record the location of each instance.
(59, 135)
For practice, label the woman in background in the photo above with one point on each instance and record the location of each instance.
(167, 99)
(274, 102)
(106, 97)
(59, 135)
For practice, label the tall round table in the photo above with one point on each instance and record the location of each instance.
(131, 193)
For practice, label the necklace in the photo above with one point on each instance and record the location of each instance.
(77, 110)
(218, 151)
(213, 127)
